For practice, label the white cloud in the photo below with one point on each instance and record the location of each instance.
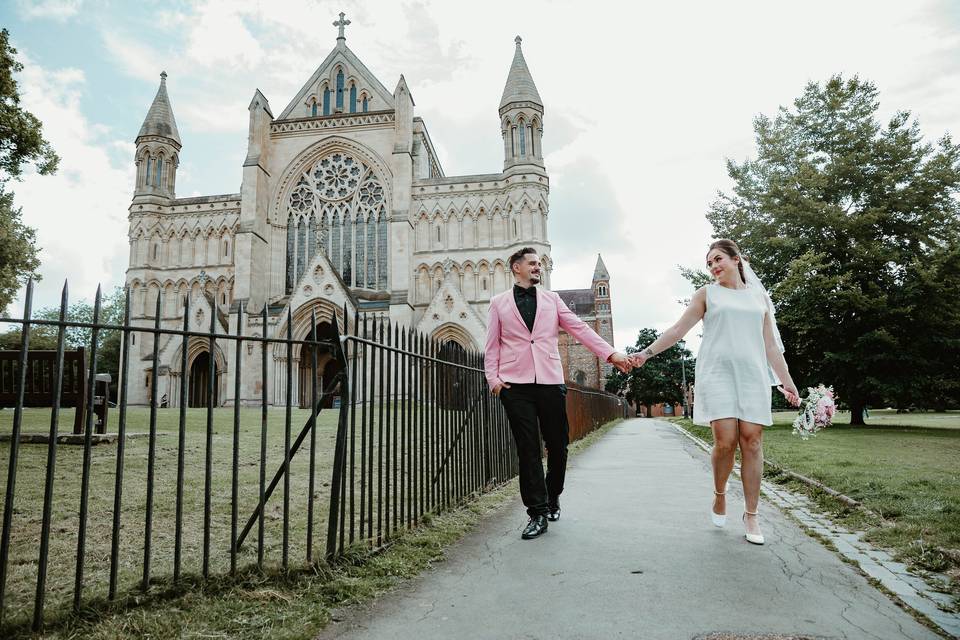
(644, 101)
(53, 9)
(80, 213)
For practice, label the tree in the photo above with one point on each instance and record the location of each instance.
(21, 143)
(660, 379)
(108, 340)
(854, 227)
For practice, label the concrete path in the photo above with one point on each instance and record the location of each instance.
(634, 556)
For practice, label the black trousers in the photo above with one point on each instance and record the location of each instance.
(536, 410)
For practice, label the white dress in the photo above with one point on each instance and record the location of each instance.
(733, 379)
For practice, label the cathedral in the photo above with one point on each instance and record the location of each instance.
(343, 204)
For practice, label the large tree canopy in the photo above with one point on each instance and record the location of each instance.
(854, 226)
(660, 379)
(21, 144)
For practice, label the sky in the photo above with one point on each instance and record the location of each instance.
(644, 103)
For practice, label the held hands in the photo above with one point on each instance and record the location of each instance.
(622, 362)
(790, 392)
(638, 359)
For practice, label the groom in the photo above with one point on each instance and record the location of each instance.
(523, 368)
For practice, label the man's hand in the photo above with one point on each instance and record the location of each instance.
(500, 387)
(620, 361)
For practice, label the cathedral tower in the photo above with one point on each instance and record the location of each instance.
(158, 146)
(521, 115)
(601, 295)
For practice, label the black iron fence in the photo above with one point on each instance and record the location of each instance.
(413, 431)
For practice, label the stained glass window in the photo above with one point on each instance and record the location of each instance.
(523, 139)
(159, 172)
(364, 104)
(353, 98)
(340, 90)
(339, 202)
(371, 253)
(291, 238)
(326, 101)
(301, 247)
(313, 109)
(361, 254)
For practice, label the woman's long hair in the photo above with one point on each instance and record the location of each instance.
(730, 248)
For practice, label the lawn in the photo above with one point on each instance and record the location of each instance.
(252, 604)
(22, 572)
(904, 467)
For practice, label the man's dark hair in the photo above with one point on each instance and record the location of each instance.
(517, 256)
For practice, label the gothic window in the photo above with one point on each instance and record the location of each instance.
(532, 138)
(313, 108)
(523, 138)
(226, 249)
(602, 291)
(156, 251)
(513, 143)
(340, 90)
(326, 101)
(159, 171)
(301, 248)
(311, 238)
(353, 98)
(365, 104)
(291, 239)
(149, 164)
(335, 249)
(344, 198)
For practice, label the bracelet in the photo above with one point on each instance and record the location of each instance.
(649, 352)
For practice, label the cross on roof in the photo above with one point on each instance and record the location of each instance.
(341, 23)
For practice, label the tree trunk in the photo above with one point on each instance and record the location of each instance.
(856, 412)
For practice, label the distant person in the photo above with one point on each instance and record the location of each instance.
(740, 347)
(523, 369)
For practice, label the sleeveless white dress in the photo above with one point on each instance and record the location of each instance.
(733, 379)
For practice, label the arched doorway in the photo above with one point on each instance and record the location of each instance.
(200, 381)
(453, 391)
(327, 367)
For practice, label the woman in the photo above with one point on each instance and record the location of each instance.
(741, 345)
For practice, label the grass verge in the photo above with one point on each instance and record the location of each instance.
(902, 467)
(251, 604)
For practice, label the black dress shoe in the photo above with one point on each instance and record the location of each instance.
(535, 528)
(554, 511)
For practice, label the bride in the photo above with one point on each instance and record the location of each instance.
(741, 345)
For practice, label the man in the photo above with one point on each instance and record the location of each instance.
(523, 369)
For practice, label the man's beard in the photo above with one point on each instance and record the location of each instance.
(534, 278)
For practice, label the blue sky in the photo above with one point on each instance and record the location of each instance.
(644, 102)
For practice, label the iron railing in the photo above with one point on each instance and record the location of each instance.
(416, 433)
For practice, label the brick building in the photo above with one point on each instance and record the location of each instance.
(593, 307)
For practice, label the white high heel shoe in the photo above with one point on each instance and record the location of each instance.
(719, 519)
(752, 538)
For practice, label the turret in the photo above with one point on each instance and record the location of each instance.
(158, 148)
(521, 115)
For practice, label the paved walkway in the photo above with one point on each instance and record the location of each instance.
(634, 556)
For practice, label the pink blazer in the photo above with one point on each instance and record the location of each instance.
(515, 354)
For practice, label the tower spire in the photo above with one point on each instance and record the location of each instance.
(160, 121)
(520, 86)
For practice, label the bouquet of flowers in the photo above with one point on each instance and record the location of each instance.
(816, 412)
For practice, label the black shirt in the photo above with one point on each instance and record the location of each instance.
(526, 300)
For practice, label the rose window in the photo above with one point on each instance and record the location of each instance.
(339, 208)
(337, 176)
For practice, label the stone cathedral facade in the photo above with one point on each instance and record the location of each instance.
(343, 204)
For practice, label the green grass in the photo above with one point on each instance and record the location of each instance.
(252, 604)
(904, 467)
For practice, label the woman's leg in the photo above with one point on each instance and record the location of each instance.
(725, 436)
(751, 470)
